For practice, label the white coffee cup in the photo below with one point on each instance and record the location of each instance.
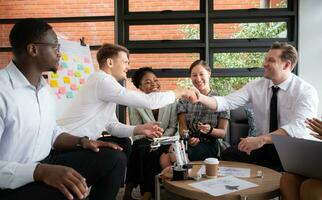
(211, 167)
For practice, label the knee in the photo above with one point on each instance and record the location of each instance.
(290, 185)
(109, 156)
(311, 189)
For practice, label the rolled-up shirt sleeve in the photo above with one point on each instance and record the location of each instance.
(306, 107)
(110, 90)
(119, 130)
(14, 175)
(57, 131)
(116, 128)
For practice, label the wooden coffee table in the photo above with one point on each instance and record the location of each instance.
(268, 185)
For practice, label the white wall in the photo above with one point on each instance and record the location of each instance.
(310, 44)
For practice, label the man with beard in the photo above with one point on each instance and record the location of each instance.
(28, 130)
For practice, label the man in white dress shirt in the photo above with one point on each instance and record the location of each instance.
(295, 101)
(94, 108)
(28, 130)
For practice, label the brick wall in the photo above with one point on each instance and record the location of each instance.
(96, 33)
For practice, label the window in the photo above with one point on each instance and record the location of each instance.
(250, 30)
(238, 60)
(248, 4)
(163, 60)
(162, 32)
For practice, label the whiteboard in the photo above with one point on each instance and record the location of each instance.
(75, 66)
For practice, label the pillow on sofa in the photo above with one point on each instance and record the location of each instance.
(251, 120)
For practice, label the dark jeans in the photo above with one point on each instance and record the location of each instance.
(103, 170)
(265, 156)
(203, 150)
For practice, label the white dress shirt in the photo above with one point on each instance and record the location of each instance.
(297, 100)
(27, 126)
(94, 108)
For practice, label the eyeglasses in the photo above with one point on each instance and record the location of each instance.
(55, 46)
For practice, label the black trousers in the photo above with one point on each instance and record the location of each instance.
(144, 164)
(103, 170)
(266, 156)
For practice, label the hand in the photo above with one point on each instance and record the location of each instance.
(166, 173)
(191, 95)
(204, 128)
(150, 129)
(65, 179)
(193, 141)
(315, 125)
(95, 144)
(188, 94)
(250, 143)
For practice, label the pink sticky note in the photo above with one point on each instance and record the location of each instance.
(61, 90)
(81, 81)
(86, 59)
(70, 73)
(73, 86)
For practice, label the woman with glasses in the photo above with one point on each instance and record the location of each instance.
(143, 163)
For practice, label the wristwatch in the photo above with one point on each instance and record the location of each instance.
(79, 143)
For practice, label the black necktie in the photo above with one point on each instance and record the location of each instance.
(273, 110)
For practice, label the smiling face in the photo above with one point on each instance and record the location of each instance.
(200, 78)
(275, 68)
(149, 83)
(119, 66)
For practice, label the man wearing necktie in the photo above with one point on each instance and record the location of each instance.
(281, 102)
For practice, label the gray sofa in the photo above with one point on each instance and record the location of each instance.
(238, 126)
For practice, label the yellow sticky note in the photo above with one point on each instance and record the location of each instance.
(54, 83)
(66, 79)
(64, 57)
(77, 59)
(87, 70)
(54, 75)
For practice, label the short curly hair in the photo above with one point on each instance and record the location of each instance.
(138, 75)
(27, 31)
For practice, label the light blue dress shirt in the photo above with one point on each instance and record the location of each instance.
(27, 126)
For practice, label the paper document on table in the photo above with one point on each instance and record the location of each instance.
(223, 185)
(232, 171)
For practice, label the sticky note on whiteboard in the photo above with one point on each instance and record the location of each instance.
(73, 86)
(78, 74)
(69, 95)
(53, 83)
(54, 75)
(64, 57)
(70, 73)
(61, 90)
(81, 81)
(86, 60)
(66, 80)
(87, 70)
